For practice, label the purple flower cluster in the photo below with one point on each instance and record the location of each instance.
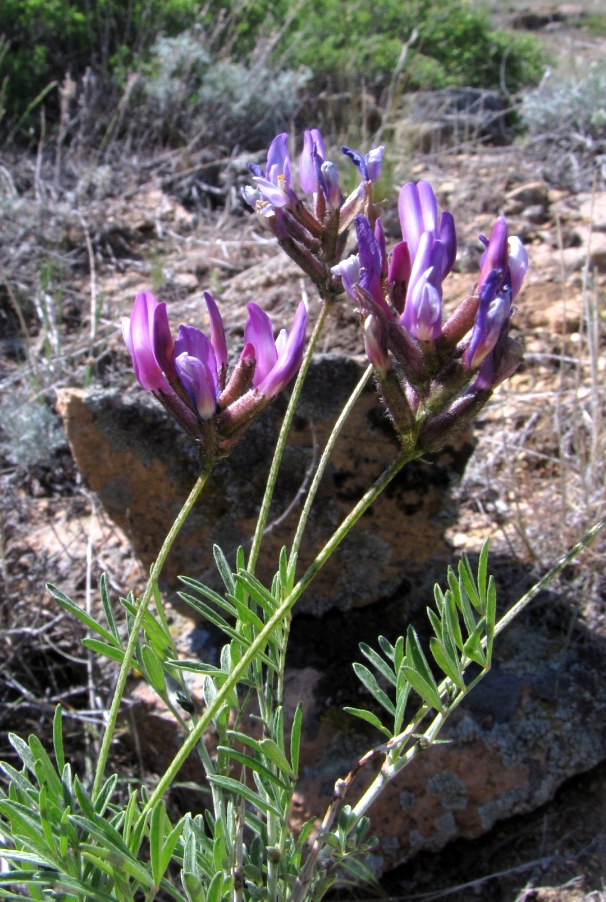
(313, 234)
(188, 374)
(433, 374)
(430, 370)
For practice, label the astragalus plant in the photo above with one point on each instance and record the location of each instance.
(67, 840)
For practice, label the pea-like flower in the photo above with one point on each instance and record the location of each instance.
(370, 165)
(188, 375)
(503, 267)
(273, 185)
(277, 361)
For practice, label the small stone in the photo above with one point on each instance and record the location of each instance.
(459, 540)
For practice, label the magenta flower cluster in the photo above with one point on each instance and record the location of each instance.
(427, 367)
(313, 234)
(433, 374)
(188, 374)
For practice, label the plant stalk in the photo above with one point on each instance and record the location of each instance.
(390, 770)
(326, 457)
(272, 624)
(134, 635)
(281, 443)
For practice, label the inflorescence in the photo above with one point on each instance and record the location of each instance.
(433, 375)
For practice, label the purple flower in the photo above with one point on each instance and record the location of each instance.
(418, 211)
(496, 256)
(518, 265)
(328, 180)
(147, 336)
(193, 366)
(373, 261)
(277, 361)
(313, 144)
(196, 366)
(370, 165)
(217, 337)
(375, 342)
(503, 267)
(494, 309)
(349, 270)
(506, 255)
(400, 264)
(273, 185)
(422, 316)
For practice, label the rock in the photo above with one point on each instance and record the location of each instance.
(575, 258)
(453, 115)
(592, 208)
(543, 306)
(545, 16)
(536, 214)
(534, 721)
(142, 467)
(527, 196)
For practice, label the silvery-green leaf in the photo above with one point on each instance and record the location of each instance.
(369, 681)
(370, 718)
(446, 663)
(382, 666)
(246, 792)
(483, 570)
(224, 569)
(295, 737)
(466, 576)
(387, 648)
(153, 670)
(107, 606)
(68, 605)
(427, 691)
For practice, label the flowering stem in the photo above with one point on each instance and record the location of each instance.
(281, 443)
(154, 575)
(393, 766)
(272, 625)
(326, 457)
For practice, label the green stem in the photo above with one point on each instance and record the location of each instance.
(391, 769)
(281, 443)
(272, 624)
(134, 635)
(326, 457)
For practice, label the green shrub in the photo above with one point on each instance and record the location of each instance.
(343, 43)
(566, 119)
(185, 91)
(50, 37)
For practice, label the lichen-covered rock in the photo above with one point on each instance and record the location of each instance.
(142, 467)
